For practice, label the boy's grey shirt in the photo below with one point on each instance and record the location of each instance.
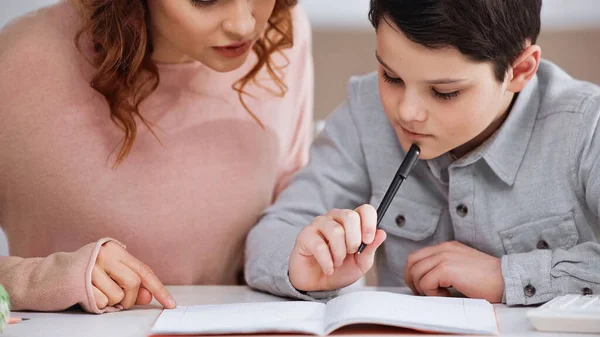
(530, 194)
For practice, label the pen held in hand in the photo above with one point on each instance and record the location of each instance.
(403, 171)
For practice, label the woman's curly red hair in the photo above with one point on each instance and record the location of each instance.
(126, 75)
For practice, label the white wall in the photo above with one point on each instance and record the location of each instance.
(556, 14)
(340, 14)
(12, 8)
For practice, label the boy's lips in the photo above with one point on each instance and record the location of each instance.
(412, 134)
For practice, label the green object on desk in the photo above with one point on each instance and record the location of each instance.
(4, 307)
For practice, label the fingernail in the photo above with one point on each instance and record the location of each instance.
(172, 302)
(368, 238)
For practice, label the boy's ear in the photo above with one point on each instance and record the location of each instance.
(524, 68)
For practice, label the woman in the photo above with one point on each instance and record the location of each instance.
(163, 126)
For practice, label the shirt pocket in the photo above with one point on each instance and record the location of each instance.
(555, 232)
(410, 226)
(410, 220)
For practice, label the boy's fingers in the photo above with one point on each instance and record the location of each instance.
(439, 292)
(368, 223)
(366, 258)
(335, 236)
(350, 220)
(319, 249)
(420, 269)
(435, 282)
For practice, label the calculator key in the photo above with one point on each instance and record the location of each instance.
(569, 301)
(580, 302)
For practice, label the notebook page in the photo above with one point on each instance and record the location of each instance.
(435, 314)
(295, 316)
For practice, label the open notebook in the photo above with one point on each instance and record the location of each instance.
(432, 314)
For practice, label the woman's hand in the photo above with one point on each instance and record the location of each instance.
(120, 279)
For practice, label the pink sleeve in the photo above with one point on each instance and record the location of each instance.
(53, 283)
(298, 153)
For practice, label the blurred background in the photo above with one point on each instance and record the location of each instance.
(344, 43)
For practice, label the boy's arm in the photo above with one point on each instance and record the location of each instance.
(541, 275)
(335, 177)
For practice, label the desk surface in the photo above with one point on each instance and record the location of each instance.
(137, 322)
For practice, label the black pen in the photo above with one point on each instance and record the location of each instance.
(403, 171)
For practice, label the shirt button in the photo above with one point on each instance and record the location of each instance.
(542, 244)
(400, 220)
(587, 291)
(529, 290)
(462, 210)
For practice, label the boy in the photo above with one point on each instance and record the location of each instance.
(505, 199)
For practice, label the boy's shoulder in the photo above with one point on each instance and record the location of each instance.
(364, 83)
(561, 93)
(364, 102)
(363, 90)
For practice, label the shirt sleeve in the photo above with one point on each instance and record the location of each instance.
(538, 276)
(335, 177)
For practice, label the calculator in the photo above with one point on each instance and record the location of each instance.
(568, 313)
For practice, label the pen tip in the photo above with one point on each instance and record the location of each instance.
(24, 319)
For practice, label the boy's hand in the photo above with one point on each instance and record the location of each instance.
(431, 270)
(119, 278)
(324, 254)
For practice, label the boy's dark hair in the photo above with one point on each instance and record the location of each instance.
(484, 30)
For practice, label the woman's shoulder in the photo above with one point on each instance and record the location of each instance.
(40, 64)
(40, 36)
(301, 25)
(301, 50)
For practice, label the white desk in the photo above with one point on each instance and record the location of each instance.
(137, 322)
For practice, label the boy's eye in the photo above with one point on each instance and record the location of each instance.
(203, 3)
(440, 95)
(445, 95)
(389, 79)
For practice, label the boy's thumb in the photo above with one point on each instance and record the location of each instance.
(366, 258)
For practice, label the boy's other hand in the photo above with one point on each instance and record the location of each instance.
(432, 270)
(324, 256)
